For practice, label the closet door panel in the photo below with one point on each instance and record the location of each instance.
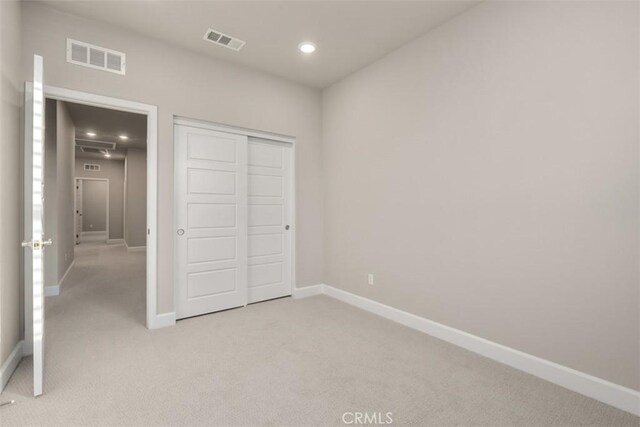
(269, 218)
(211, 221)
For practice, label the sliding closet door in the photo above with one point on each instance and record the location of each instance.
(269, 213)
(211, 218)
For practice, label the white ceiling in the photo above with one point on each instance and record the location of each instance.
(108, 125)
(349, 34)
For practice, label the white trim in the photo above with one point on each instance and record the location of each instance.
(596, 388)
(292, 215)
(151, 111)
(10, 365)
(163, 320)
(136, 248)
(93, 233)
(115, 241)
(64, 276)
(52, 291)
(219, 127)
(308, 291)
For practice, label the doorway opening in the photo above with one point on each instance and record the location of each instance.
(92, 211)
(150, 176)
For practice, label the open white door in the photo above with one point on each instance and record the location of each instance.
(34, 241)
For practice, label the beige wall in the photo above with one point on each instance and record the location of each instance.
(113, 170)
(11, 95)
(487, 174)
(50, 253)
(135, 222)
(94, 205)
(190, 85)
(59, 191)
(65, 188)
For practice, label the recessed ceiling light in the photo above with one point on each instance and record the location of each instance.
(91, 133)
(307, 47)
(124, 137)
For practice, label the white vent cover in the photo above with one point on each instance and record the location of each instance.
(97, 57)
(95, 144)
(222, 39)
(92, 167)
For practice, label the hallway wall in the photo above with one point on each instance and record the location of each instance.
(135, 222)
(59, 192)
(65, 188)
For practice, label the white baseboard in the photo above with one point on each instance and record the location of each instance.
(93, 233)
(54, 290)
(163, 320)
(596, 388)
(64, 276)
(135, 248)
(307, 291)
(10, 365)
(115, 241)
(93, 236)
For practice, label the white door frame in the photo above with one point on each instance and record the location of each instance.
(76, 206)
(153, 319)
(289, 140)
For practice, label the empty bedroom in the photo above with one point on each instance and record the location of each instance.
(320, 213)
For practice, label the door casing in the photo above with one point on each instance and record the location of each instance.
(153, 318)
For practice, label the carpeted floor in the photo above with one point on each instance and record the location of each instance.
(281, 362)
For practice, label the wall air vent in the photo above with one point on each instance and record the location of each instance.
(222, 39)
(99, 58)
(92, 167)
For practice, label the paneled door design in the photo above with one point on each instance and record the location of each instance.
(211, 215)
(269, 214)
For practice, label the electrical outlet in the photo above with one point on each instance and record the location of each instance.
(370, 279)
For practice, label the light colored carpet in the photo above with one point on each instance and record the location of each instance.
(281, 362)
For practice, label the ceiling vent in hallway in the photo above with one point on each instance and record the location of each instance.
(89, 143)
(99, 58)
(222, 39)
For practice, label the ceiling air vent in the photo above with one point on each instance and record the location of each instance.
(89, 143)
(91, 150)
(97, 57)
(222, 39)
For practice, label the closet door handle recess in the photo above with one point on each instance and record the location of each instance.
(180, 232)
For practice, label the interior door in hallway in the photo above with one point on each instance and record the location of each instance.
(269, 220)
(211, 217)
(34, 237)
